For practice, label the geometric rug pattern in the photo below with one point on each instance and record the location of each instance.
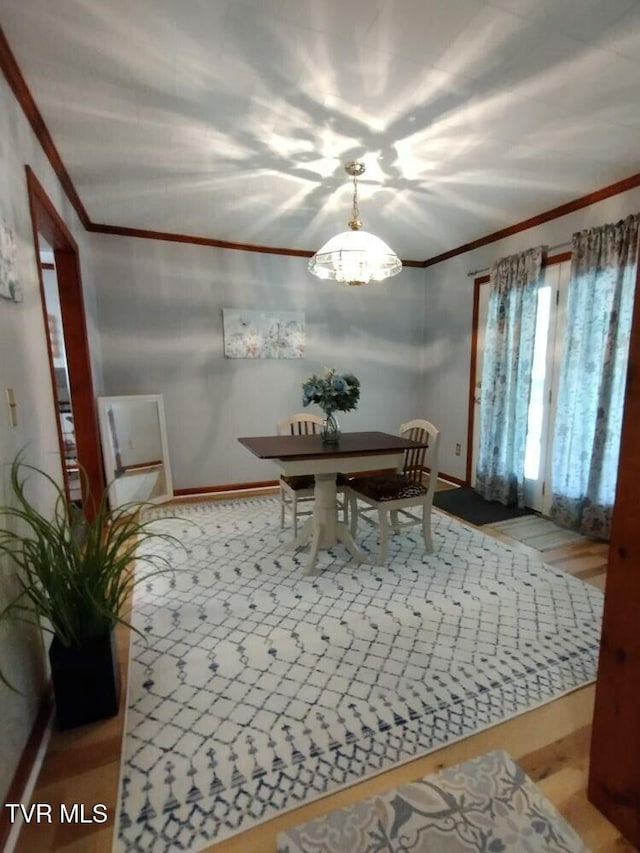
(255, 688)
(484, 804)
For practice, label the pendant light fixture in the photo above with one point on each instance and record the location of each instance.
(355, 256)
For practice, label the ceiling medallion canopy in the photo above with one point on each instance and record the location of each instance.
(355, 256)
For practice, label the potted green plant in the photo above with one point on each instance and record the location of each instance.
(74, 578)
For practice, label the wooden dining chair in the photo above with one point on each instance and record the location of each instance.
(299, 490)
(387, 496)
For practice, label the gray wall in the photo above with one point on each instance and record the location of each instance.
(159, 310)
(24, 367)
(160, 322)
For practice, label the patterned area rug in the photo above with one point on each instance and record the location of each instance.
(254, 688)
(486, 804)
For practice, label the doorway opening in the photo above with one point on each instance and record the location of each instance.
(57, 349)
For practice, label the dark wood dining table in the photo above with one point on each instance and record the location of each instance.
(356, 452)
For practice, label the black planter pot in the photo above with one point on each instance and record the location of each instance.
(86, 681)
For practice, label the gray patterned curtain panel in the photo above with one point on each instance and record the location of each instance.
(506, 376)
(593, 372)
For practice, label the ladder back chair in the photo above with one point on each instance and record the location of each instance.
(389, 496)
(299, 490)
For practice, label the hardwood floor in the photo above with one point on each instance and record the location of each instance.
(551, 743)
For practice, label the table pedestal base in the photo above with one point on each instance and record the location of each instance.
(324, 530)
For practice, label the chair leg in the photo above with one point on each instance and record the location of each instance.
(345, 509)
(353, 512)
(384, 534)
(282, 508)
(394, 520)
(426, 528)
(294, 510)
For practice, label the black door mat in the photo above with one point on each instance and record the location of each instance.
(467, 504)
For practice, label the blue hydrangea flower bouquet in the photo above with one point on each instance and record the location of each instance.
(333, 392)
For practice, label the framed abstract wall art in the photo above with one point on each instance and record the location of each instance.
(263, 334)
(9, 288)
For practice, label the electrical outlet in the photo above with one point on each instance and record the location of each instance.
(458, 449)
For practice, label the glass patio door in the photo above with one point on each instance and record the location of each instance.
(552, 299)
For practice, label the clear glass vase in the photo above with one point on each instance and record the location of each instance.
(330, 429)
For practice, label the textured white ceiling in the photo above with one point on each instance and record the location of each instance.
(232, 119)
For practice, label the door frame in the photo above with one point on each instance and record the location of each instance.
(45, 220)
(614, 782)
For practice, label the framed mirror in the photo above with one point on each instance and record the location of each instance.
(134, 448)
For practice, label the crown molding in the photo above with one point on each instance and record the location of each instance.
(554, 213)
(18, 86)
(168, 236)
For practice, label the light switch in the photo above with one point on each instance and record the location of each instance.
(13, 408)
